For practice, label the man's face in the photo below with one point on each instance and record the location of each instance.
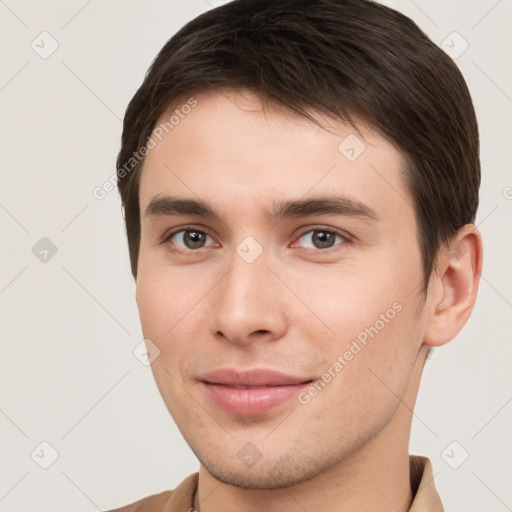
(327, 298)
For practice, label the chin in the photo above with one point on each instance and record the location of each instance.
(283, 473)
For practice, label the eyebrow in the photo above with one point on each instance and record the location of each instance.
(162, 205)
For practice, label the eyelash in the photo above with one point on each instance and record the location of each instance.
(192, 252)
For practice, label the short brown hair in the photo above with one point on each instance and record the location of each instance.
(348, 59)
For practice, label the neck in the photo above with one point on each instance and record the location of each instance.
(374, 478)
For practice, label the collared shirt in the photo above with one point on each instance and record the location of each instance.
(181, 499)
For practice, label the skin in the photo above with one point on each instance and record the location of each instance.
(294, 309)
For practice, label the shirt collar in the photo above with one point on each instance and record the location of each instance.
(426, 498)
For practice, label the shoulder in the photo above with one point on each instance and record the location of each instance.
(150, 503)
(180, 499)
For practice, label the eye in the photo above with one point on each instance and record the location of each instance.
(191, 239)
(321, 239)
(188, 239)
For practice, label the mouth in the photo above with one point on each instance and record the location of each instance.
(250, 393)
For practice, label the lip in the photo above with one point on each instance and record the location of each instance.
(250, 392)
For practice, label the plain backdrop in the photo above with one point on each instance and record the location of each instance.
(69, 324)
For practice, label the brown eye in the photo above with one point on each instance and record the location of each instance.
(320, 238)
(189, 239)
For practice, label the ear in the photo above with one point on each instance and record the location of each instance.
(453, 287)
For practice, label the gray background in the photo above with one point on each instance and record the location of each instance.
(69, 324)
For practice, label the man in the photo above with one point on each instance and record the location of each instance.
(300, 182)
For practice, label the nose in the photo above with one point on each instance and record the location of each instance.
(250, 303)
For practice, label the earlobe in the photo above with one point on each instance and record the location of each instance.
(453, 288)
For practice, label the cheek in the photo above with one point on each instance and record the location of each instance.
(373, 324)
(166, 306)
(165, 296)
(367, 372)
(343, 301)
(154, 304)
(173, 307)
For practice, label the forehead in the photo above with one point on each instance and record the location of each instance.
(233, 151)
